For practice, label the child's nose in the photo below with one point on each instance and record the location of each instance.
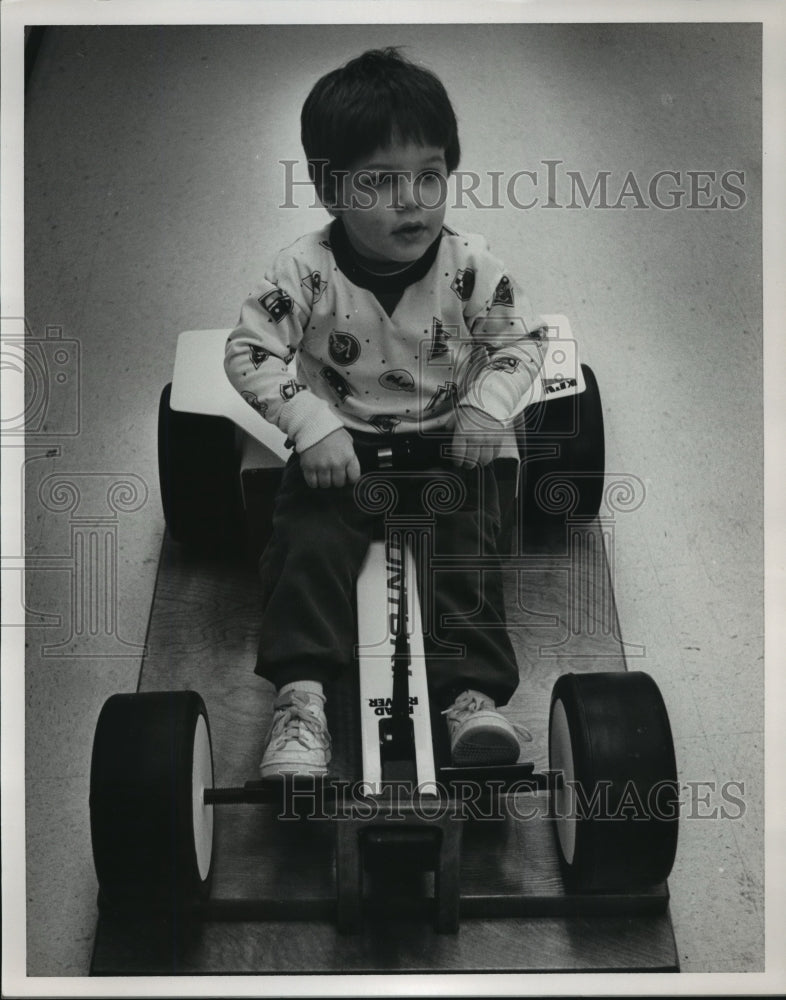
(407, 191)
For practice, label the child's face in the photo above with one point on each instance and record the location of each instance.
(393, 201)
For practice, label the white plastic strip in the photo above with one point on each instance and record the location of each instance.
(378, 615)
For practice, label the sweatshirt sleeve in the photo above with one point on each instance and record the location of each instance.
(510, 341)
(261, 347)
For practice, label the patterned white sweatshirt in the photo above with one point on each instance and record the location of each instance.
(383, 354)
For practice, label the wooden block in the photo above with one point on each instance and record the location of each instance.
(392, 944)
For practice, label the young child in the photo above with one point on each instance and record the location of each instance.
(400, 326)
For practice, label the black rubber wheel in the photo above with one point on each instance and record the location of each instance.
(260, 490)
(616, 809)
(199, 474)
(152, 834)
(563, 455)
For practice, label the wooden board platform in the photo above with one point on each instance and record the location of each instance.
(270, 872)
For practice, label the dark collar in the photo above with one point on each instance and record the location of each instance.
(349, 264)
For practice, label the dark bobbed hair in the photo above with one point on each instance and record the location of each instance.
(365, 105)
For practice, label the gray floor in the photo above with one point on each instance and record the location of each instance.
(152, 181)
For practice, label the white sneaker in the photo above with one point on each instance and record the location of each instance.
(299, 741)
(479, 734)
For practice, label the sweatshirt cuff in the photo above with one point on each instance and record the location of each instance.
(493, 396)
(306, 419)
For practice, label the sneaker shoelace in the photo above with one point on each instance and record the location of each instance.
(468, 703)
(294, 720)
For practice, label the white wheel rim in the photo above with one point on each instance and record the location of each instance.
(561, 759)
(202, 778)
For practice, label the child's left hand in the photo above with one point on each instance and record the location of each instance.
(477, 437)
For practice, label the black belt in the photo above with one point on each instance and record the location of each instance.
(398, 452)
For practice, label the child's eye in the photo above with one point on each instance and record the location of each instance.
(383, 178)
(433, 176)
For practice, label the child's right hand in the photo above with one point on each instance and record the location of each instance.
(331, 461)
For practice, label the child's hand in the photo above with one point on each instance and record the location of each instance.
(331, 461)
(477, 437)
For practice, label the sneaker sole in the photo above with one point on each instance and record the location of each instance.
(486, 745)
(279, 770)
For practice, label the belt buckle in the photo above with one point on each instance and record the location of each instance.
(385, 458)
